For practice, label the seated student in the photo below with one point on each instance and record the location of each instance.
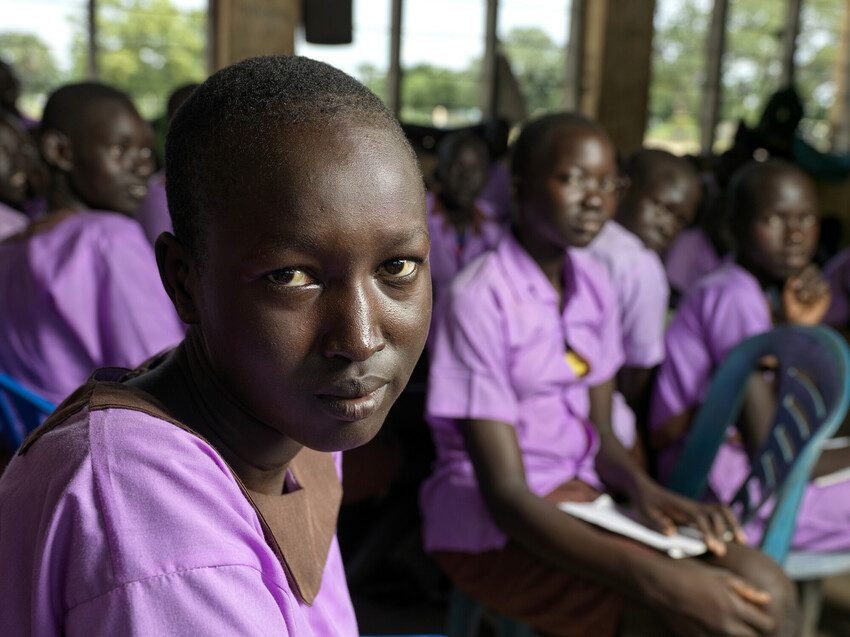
(519, 403)
(461, 224)
(197, 495)
(660, 199)
(15, 176)
(83, 278)
(153, 212)
(774, 220)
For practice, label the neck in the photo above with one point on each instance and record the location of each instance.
(60, 196)
(459, 216)
(188, 386)
(765, 280)
(549, 257)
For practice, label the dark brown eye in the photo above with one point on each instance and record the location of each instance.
(399, 268)
(291, 278)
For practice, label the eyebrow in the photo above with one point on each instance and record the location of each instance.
(306, 243)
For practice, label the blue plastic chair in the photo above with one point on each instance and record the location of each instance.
(21, 411)
(813, 396)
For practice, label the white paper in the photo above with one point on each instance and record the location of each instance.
(604, 512)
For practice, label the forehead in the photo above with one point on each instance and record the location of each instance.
(10, 137)
(577, 144)
(782, 187)
(314, 181)
(108, 120)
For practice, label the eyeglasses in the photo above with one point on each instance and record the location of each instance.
(608, 185)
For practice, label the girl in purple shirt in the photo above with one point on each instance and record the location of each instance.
(519, 402)
(774, 219)
(197, 494)
(83, 279)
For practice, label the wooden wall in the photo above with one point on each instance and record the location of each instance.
(246, 28)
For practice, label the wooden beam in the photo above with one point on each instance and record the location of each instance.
(91, 63)
(394, 70)
(246, 28)
(575, 46)
(789, 40)
(839, 114)
(712, 88)
(490, 68)
(615, 71)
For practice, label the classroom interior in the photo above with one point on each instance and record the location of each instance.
(692, 77)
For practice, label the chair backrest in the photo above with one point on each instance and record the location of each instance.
(21, 411)
(813, 393)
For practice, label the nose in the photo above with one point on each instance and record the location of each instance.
(794, 230)
(142, 162)
(353, 329)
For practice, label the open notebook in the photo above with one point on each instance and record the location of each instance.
(605, 513)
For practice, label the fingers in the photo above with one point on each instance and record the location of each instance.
(659, 522)
(712, 528)
(749, 605)
(733, 525)
(748, 592)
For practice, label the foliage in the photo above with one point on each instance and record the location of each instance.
(32, 60)
(539, 66)
(146, 48)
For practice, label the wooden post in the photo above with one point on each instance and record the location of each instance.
(789, 40)
(615, 67)
(490, 68)
(394, 71)
(91, 66)
(246, 28)
(575, 46)
(715, 48)
(839, 114)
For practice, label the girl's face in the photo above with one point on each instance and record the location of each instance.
(660, 209)
(314, 294)
(784, 227)
(112, 158)
(571, 190)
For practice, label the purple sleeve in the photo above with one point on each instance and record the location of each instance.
(136, 318)
(644, 296)
(837, 272)
(221, 600)
(469, 374)
(710, 323)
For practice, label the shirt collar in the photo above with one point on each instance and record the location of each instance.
(525, 276)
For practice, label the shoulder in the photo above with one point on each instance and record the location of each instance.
(727, 293)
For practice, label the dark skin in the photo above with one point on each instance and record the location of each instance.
(691, 597)
(308, 310)
(101, 162)
(462, 175)
(656, 209)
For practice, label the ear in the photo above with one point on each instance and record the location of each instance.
(57, 150)
(179, 276)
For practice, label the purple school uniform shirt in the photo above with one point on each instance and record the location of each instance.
(451, 252)
(84, 294)
(139, 528)
(499, 354)
(11, 221)
(691, 257)
(153, 214)
(837, 272)
(724, 309)
(642, 292)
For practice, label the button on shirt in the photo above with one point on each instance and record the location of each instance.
(499, 353)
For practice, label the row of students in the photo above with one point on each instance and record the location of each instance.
(307, 300)
(526, 351)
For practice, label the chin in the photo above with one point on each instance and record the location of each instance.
(341, 436)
